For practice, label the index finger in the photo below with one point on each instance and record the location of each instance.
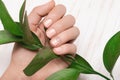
(38, 12)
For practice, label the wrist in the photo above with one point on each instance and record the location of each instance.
(12, 73)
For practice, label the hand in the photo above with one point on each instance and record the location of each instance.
(60, 31)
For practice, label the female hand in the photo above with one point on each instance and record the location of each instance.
(60, 31)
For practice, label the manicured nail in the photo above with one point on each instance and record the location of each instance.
(56, 41)
(50, 33)
(47, 23)
(58, 50)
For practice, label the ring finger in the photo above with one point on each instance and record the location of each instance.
(64, 37)
(65, 49)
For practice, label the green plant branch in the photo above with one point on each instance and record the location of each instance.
(95, 72)
(73, 59)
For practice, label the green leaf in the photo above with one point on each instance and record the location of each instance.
(6, 37)
(65, 74)
(28, 37)
(22, 11)
(41, 59)
(8, 22)
(37, 44)
(32, 47)
(37, 41)
(112, 52)
(31, 41)
(82, 65)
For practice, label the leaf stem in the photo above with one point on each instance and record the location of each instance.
(71, 59)
(112, 76)
(102, 76)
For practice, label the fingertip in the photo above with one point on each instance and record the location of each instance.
(50, 33)
(47, 23)
(51, 2)
(63, 7)
(55, 42)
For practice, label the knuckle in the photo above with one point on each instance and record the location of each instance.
(71, 17)
(77, 30)
(35, 9)
(53, 15)
(58, 25)
(62, 7)
(70, 48)
(66, 49)
(75, 48)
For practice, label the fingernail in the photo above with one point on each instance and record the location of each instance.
(58, 50)
(50, 33)
(47, 23)
(56, 41)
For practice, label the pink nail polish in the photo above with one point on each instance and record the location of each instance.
(56, 41)
(50, 33)
(48, 22)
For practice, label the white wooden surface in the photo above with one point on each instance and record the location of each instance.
(97, 20)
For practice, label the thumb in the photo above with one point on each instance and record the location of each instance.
(38, 12)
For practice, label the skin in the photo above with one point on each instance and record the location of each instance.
(58, 29)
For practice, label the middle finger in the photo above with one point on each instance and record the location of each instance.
(61, 25)
(55, 14)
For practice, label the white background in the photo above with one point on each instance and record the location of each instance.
(97, 20)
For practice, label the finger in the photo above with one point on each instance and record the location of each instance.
(65, 49)
(56, 13)
(60, 26)
(38, 12)
(64, 37)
